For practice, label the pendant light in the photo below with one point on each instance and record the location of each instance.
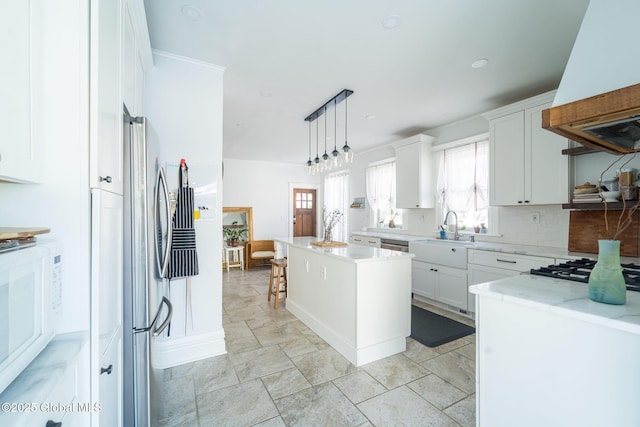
(337, 157)
(347, 154)
(316, 161)
(309, 162)
(325, 156)
(335, 154)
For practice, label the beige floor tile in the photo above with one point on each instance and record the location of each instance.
(464, 412)
(419, 352)
(284, 383)
(395, 370)
(402, 407)
(176, 397)
(359, 386)
(185, 420)
(468, 351)
(322, 405)
(323, 365)
(298, 347)
(455, 369)
(437, 391)
(215, 373)
(260, 362)
(239, 405)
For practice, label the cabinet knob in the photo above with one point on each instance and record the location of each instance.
(105, 178)
(106, 370)
(519, 201)
(526, 201)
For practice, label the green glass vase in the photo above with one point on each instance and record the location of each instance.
(606, 282)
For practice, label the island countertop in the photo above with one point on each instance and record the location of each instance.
(351, 252)
(564, 297)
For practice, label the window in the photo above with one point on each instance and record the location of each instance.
(381, 193)
(463, 179)
(336, 196)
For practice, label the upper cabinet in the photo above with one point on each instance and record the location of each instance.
(136, 56)
(414, 173)
(526, 163)
(20, 144)
(105, 133)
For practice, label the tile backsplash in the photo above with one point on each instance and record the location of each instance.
(514, 225)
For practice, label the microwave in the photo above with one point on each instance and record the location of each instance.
(30, 305)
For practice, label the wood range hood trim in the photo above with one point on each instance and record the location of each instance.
(570, 119)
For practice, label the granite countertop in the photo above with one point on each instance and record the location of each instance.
(565, 298)
(354, 253)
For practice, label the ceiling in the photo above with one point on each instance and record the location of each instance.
(286, 58)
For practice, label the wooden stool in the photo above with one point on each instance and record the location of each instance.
(278, 280)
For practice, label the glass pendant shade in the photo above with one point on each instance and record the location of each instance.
(347, 154)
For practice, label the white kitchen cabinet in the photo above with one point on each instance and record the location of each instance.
(414, 173)
(20, 42)
(444, 284)
(106, 301)
(105, 129)
(487, 266)
(365, 240)
(527, 166)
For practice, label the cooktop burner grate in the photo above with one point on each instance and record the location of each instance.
(580, 269)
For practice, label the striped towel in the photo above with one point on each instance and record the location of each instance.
(184, 257)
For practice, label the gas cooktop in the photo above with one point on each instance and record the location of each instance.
(579, 270)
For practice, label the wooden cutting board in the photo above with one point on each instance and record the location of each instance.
(329, 244)
(587, 227)
(21, 232)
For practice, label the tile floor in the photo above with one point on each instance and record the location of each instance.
(277, 372)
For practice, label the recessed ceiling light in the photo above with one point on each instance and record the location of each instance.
(479, 63)
(192, 13)
(390, 22)
(265, 94)
(370, 116)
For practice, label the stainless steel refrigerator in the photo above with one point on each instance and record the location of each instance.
(147, 232)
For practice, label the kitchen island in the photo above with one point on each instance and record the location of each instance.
(356, 298)
(549, 356)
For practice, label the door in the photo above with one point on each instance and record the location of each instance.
(304, 212)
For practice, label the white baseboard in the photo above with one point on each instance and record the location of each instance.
(166, 353)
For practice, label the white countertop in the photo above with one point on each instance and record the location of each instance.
(565, 298)
(351, 252)
(543, 251)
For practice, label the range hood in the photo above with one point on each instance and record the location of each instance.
(607, 122)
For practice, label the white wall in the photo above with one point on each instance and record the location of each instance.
(62, 201)
(603, 56)
(183, 103)
(264, 186)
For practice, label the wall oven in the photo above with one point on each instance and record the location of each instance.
(30, 305)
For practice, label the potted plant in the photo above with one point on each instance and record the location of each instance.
(233, 233)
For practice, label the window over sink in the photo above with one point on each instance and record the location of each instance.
(463, 184)
(381, 194)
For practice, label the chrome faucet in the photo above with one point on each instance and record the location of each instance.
(456, 235)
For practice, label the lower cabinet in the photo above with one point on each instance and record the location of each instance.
(444, 284)
(106, 306)
(486, 266)
(365, 240)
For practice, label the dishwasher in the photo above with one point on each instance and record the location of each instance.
(394, 245)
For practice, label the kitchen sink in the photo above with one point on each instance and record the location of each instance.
(450, 253)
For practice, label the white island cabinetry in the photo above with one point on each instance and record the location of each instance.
(356, 298)
(570, 360)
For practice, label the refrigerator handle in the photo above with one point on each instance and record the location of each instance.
(158, 330)
(163, 259)
(165, 323)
